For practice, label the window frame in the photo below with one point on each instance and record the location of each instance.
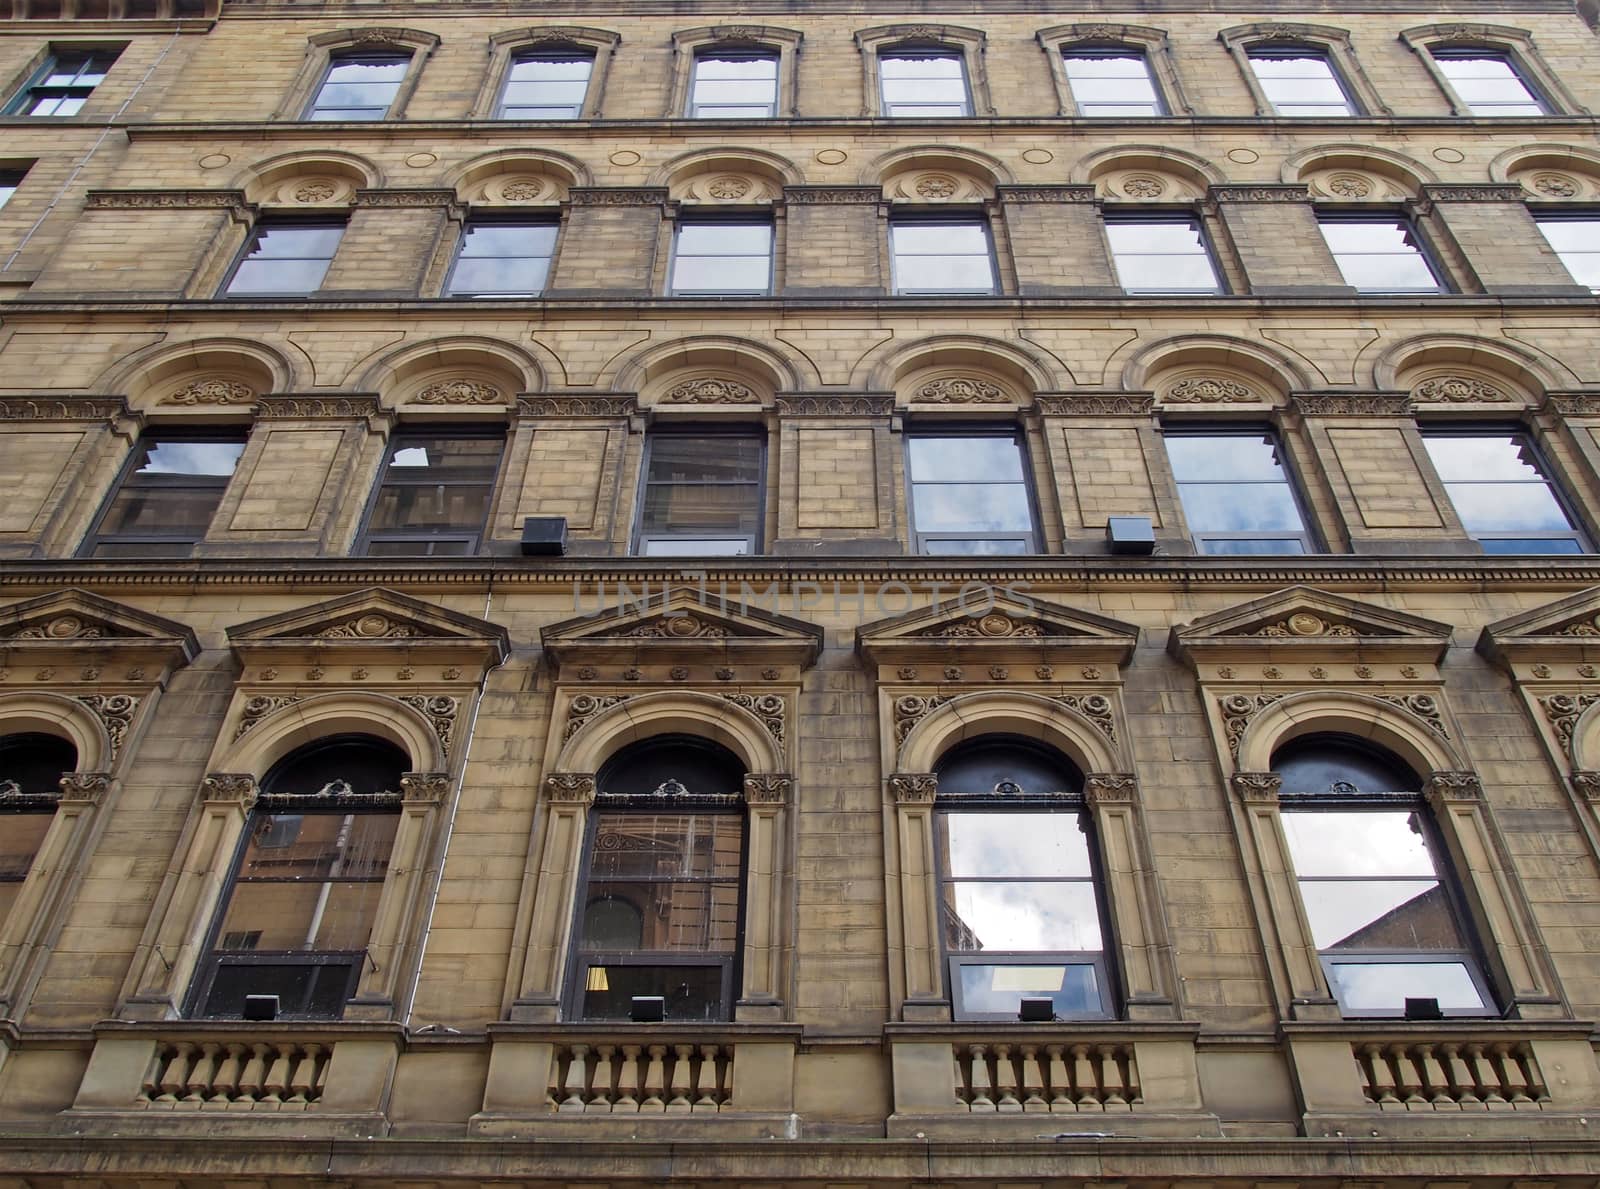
(1286, 466)
(532, 53)
(886, 107)
(1270, 53)
(950, 217)
(400, 439)
(1385, 216)
(253, 240)
(1330, 42)
(1019, 438)
(501, 218)
(754, 54)
(1151, 44)
(1543, 214)
(689, 44)
(696, 219)
(1088, 51)
(1112, 214)
(128, 473)
(1577, 530)
(966, 43)
(357, 57)
(323, 48)
(10, 182)
(1465, 53)
(23, 93)
(1518, 48)
(639, 546)
(599, 44)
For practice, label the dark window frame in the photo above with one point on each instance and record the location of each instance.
(956, 216)
(10, 180)
(1086, 50)
(1169, 215)
(1286, 464)
(502, 220)
(641, 537)
(253, 241)
(1019, 437)
(1387, 216)
(1578, 530)
(358, 57)
(407, 437)
(546, 54)
(128, 475)
(741, 219)
(34, 89)
(1261, 50)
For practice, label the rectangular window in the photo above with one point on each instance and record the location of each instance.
(702, 496)
(969, 494)
(502, 259)
(10, 179)
(433, 498)
(924, 83)
(1300, 82)
(734, 86)
(545, 86)
(941, 256)
(1237, 497)
(359, 87)
(1112, 82)
(1161, 254)
(21, 834)
(167, 495)
(1379, 254)
(60, 86)
(722, 257)
(1499, 489)
(1576, 239)
(1487, 83)
(285, 260)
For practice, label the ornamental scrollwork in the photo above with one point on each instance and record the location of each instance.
(212, 390)
(440, 711)
(63, 627)
(1459, 390)
(769, 708)
(994, 626)
(1588, 785)
(115, 712)
(910, 709)
(84, 786)
(1445, 788)
(229, 786)
(460, 392)
(1297, 193)
(59, 409)
(616, 196)
(1362, 405)
(1305, 625)
(1094, 707)
(1094, 405)
(953, 390)
(149, 200)
(1497, 193)
(682, 626)
(831, 195)
(710, 391)
(576, 406)
(371, 626)
(913, 788)
(570, 788)
(259, 707)
(1587, 626)
(835, 406)
(1209, 390)
(585, 706)
(1111, 788)
(404, 198)
(428, 788)
(1053, 195)
(1237, 712)
(310, 408)
(1257, 788)
(767, 788)
(1563, 712)
(1424, 706)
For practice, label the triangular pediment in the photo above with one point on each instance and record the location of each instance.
(79, 617)
(1303, 618)
(996, 621)
(1567, 629)
(683, 623)
(371, 619)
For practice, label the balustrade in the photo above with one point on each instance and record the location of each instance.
(236, 1075)
(1451, 1075)
(1047, 1077)
(626, 1077)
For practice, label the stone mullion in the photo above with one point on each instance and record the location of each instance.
(551, 887)
(919, 895)
(1132, 896)
(766, 870)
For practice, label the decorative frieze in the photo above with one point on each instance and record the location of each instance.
(1237, 712)
(1364, 404)
(577, 406)
(1563, 712)
(1459, 390)
(1305, 625)
(371, 626)
(959, 390)
(679, 626)
(769, 708)
(1284, 193)
(459, 392)
(570, 787)
(617, 195)
(314, 408)
(996, 625)
(1095, 404)
(1508, 193)
(150, 200)
(1210, 390)
(259, 707)
(835, 406)
(1045, 194)
(404, 198)
(61, 408)
(212, 390)
(768, 788)
(832, 195)
(710, 391)
(63, 627)
(1574, 404)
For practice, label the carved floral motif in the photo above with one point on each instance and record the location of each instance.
(440, 711)
(728, 187)
(1143, 186)
(1304, 624)
(767, 788)
(1209, 390)
(1094, 405)
(576, 406)
(994, 626)
(1349, 185)
(212, 390)
(1237, 712)
(371, 626)
(1257, 788)
(959, 390)
(1424, 706)
(317, 190)
(460, 392)
(936, 185)
(229, 786)
(1563, 712)
(674, 627)
(426, 787)
(1110, 788)
(1587, 626)
(62, 627)
(913, 788)
(522, 190)
(258, 707)
(710, 392)
(570, 787)
(1459, 390)
(769, 708)
(585, 706)
(1555, 185)
(84, 786)
(836, 406)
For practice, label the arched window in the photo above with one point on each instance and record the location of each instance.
(304, 890)
(31, 767)
(1018, 888)
(659, 910)
(1375, 883)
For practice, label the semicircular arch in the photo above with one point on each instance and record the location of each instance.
(265, 181)
(886, 367)
(779, 170)
(1364, 164)
(987, 168)
(150, 373)
(722, 353)
(1274, 368)
(1191, 167)
(397, 370)
(672, 712)
(1524, 367)
(1358, 716)
(62, 717)
(974, 715)
(354, 712)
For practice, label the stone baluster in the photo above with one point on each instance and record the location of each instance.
(1407, 1077)
(226, 1081)
(277, 1079)
(175, 1078)
(682, 1057)
(1060, 1083)
(1005, 1080)
(979, 1062)
(1461, 1083)
(1032, 1080)
(252, 1081)
(1484, 1076)
(1133, 1089)
(1380, 1080)
(707, 1084)
(201, 1073)
(1111, 1077)
(1084, 1083)
(600, 1097)
(655, 1080)
(1512, 1076)
(577, 1077)
(303, 1083)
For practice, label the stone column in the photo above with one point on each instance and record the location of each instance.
(913, 794)
(1057, 243)
(1137, 922)
(833, 242)
(766, 796)
(1273, 233)
(537, 996)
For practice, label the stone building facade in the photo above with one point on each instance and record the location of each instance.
(522, 518)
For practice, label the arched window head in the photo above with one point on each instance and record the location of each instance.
(1375, 883)
(661, 904)
(303, 894)
(31, 767)
(1020, 903)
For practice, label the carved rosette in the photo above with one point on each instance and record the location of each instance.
(913, 788)
(1424, 706)
(1111, 788)
(424, 788)
(1257, 788)
(769, 708)
(1453, 788)
(586, 706)
(440, 711)
(1094, 707)
(1588, 786)
(911, 709)
(768, 788)
(570, 788)
(1563, 711)
(259, 707)
(1237, 712)
(87, 787)
(237, 787)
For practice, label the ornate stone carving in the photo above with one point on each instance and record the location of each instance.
(1349, 185)
(389, 199)
(835, 406)
(1237, 711)
(1052, 195)
(1424, 706)
(1110, 788)
(84, 786)
(1143, 186)
(576, 406)
(1095, 404)
(586, 706)
(910, 709)
(522, 190)
(999, 673)
(317, 190)
(1555, 185)
(953, 390)
(769, 708)
(913, 788)
(460, 392)
(1589, 625)
(258, 707)
(831, 195)
(440, 711)
(616, 196)
(936, 185)
(1094, 707)
(428, 788)
(381, 36)
(767, 788)
(1288, 193)
(371, 626)
(1445, 788)
(709, 391)
(1364, 405)
(136, 200)
(728, 187)
(115, 712)
(212, 390)
(1303, 624)
(570, 787)
(1209, 390)
(1588, 785)
(1578, 404)
(996, 625)
(229, 786)
(1459, 390)
(63, 627)
(310, 408)
(69, 408)
(1563, 711)
(681, 626)
(1257, 788)
(1449, 193)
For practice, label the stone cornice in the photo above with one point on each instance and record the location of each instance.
(1045, 193)
(1095, 404)
(833, 404)
(61, 408)
(577, 405)
(1260, 192)
(832, 195)
(404, 198)
(1352, 404)
(617, 195)
(1437, 192)
(143, 200)
(289, 407)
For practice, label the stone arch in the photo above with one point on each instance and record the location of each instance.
(353, 712)
(734, 174)
(744, 362)
(1584, 750)
(1016, 371)
(203, 373)
(1342, 712)
(1148, 172)
(453, 374)
(1212, 369)
(520, 176)
(55, 714)
(1490, 371)
(978, 169)
(1358, 172)
(1009, 712)
(672, 712)
(1551, 172)
(321, 178)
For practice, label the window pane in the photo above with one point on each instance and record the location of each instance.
(1465, 457)
(1507, 507)
(691, 992)
(1019, 917)
(1111, 83)
(299, 243)
(1488, 84)
(1357, 843)
(955, 458)
(1300, 84)
(680, 458)
(923, 84)
(1379, 915)
(511, 276)
(906, 64)
(1379, 256)
(546, 87)
(737, 86)
(944, 274)
(320, 916)
(1240, 507)
(724, 239)
(940, 239)
(1496, 486)
(1252, 546)
(633, 846)
(1577, 242)
(1234, 457)
(1385, 986)
(971, 507)
(179, 512)
(996, 547)
(190, 458)
(1014, 844)
(1073, 988)
(312, 846)
(698, 508)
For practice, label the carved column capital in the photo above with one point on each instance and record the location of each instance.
(87, 787)
(1588, 785)
(237, 787)
(913, 788)
(427, 788)
(574, 788)
(1453, 788)
(768, 788)
(1111, 788)
(1257, 788)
